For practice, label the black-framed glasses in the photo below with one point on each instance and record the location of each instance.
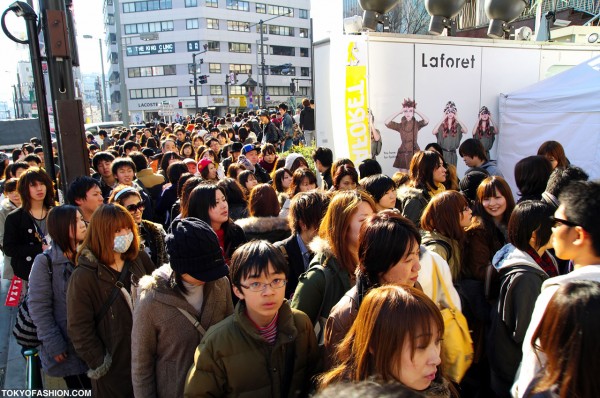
(559, 221)
(135, 207)
(259, 286)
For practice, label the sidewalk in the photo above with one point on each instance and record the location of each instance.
(12, 363)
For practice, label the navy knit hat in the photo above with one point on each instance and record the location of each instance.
(194, 249)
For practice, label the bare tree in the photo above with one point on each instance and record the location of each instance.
(415, 19)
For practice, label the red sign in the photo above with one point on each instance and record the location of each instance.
(14, 292)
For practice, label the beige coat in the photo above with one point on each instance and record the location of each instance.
(164, 340)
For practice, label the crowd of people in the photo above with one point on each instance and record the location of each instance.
(200, 260)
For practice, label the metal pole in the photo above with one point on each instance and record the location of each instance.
(22, 114)
(262, 63)
(15, 101)
(121, 58)
(100, 101)
(227, 91)
(104, 104)
(195, 83)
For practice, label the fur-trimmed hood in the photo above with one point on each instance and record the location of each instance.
(258, 225)
(406, 191)
(320, 246)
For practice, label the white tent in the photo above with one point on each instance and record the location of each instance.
(563, 108)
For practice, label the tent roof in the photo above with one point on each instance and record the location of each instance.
(574, 90)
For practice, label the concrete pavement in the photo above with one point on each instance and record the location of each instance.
(12, 363)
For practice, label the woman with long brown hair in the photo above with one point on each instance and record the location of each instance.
(396, 337)
(336, 252)
(99, 299)
(444, 221)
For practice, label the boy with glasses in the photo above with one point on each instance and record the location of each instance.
(266, 348)
(576, 237)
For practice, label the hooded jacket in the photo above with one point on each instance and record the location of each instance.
(453, 258)
(234, 360)
(521, 282)
(164, 339)
(47, 301)
(105, 347)
(311, 293)
(412, 203)
(272, 229)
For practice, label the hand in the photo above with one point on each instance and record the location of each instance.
(60, 357)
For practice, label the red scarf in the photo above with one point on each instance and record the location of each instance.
(545, 262)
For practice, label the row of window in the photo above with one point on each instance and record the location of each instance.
(238, 5)
(148, 27)
(149, 5)
(247, 48)
(160, 92)
(168, 70)
(239, 90)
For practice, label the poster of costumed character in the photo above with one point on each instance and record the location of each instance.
(449, 132)
(408, 128)
(485, 130)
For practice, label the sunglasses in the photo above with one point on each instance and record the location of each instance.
(134, 207)
(559, 221)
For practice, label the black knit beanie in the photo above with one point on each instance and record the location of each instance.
(194, 249)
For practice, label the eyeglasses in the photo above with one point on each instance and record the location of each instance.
(134, 207)
(559, 221)
(259, 286)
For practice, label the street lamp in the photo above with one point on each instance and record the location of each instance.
(104, 104)
(195, 66)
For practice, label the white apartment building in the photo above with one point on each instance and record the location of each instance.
(152, 42)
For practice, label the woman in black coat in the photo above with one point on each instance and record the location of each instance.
(25, 230)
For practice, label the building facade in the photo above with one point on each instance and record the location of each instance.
(152, 45)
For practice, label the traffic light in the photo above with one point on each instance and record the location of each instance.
(292, 87)
(203, 79)
(180, 104)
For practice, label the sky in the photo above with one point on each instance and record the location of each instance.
(89, 21)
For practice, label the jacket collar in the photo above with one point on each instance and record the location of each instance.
(286, 328)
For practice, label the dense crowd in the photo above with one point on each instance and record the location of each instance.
(212, 258)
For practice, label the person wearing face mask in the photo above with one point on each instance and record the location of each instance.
(99, 299)
(47, 299)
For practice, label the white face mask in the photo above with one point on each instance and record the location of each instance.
(122, 243)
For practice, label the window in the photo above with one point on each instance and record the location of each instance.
(304, 71)
(211, 3)
(239, 48)
(151, 5)
(149, 27)
(261, 8)
(214, 46)
(147, 71)
(237, 90)
(238, 26)
(110, 19)
(285, 90)
(240, 68)
(303, 14)
(238, 5)
(113, 58)
(191, 3)
(280, 30)
(198, 67)
(303, 52)
(283, 50)
(193, 46)
(112, 38)
(191, 23)
(212, 23)
(216, 90)
(265, 48)
(283, 70)
(303, 32)
(214, 68)
(153, 92)
(280, 10)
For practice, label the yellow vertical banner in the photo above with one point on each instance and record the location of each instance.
(357, 108)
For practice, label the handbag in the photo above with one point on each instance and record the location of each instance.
(25, 331)
(457, 348)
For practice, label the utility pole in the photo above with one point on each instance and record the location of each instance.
(22, 114)
(227, 91)
(104, 103)
(195, 66)
(262, 64)
(15, 101)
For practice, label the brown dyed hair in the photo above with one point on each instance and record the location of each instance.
(297, 179)
(442, 214)
(340, 162)
(336, 223)
(571, 345)
(422, 166)
(374, 343)
(277, 178)
(556, 150)
(263, 202)
(29, 176)
(488, 189)
(99, 239)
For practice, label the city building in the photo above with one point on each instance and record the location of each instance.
(154, 43)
